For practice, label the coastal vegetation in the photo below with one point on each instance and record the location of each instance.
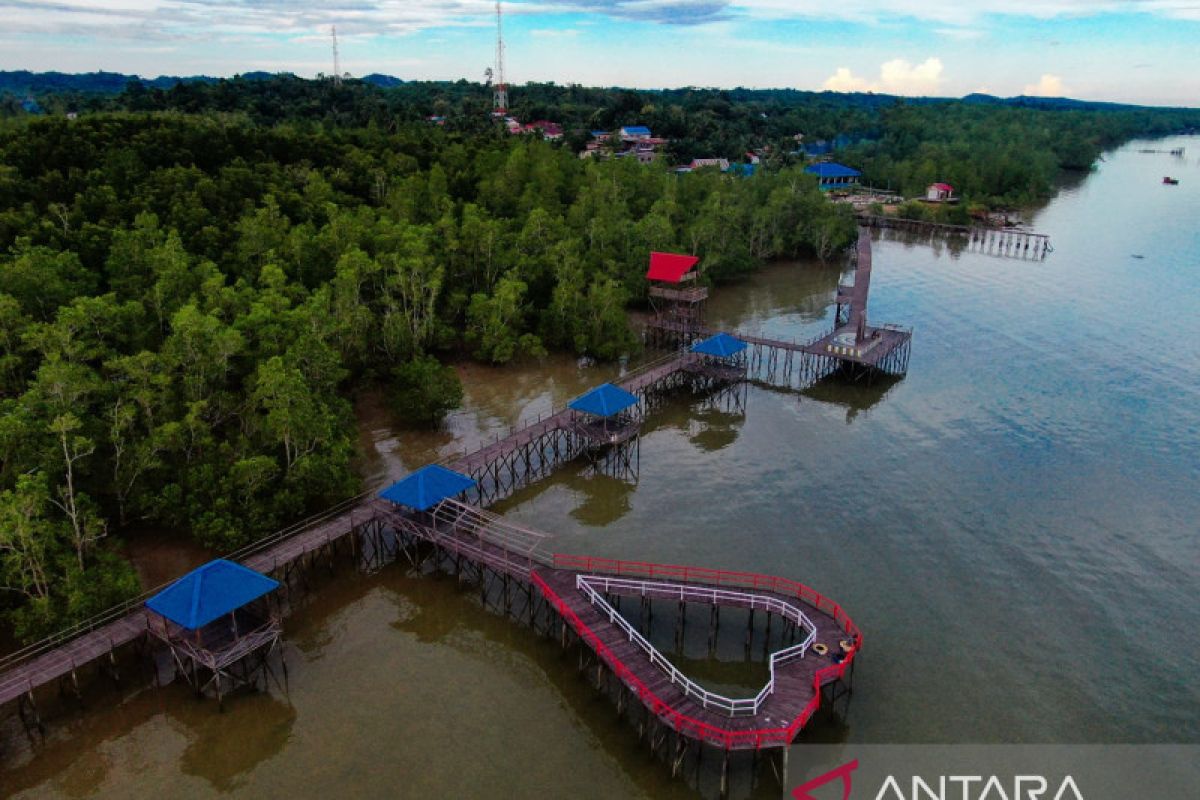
(195, 281)
(189, 302)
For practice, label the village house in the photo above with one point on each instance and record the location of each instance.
(831, 175)
(939, 193)
(550, 131)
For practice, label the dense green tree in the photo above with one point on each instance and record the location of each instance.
(194, 281)
(424, 390)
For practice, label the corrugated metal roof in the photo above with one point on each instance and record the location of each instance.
(722, 346)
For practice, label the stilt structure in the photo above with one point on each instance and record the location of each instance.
(720, 360)
(608, 422)
(216, 625)
(677, 300)
(1005, 242)
(854, 347)
(438, 515)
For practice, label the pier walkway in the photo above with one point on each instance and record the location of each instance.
(567, 585)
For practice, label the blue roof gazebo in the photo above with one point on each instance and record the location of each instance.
(207, 625)
(428, 486)
(605, 400)
(209, 592)
(719, 359)
(608, 406)
(720, 346)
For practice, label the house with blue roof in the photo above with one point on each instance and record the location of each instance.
(831, 175)
(633, 133)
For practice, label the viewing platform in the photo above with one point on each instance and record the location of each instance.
(438, 514)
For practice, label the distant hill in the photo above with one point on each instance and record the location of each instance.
(382, 81)
(23, 82)
(1052, 103)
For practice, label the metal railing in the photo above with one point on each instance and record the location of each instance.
(756, 738)
(493, 529)
(523, 424)
(739, 707)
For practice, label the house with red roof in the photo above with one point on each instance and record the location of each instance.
(939, 193)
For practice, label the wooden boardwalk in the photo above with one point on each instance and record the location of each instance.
(486, 541)
(62, 656)
(785, 711)
(1009, 242)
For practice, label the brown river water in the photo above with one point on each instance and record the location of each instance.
(1013, 526)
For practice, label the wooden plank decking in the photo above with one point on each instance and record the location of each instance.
(794, 688)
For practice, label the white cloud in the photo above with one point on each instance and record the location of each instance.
(116, 19)
(897, 76)
(843, 80)
(1048, 86)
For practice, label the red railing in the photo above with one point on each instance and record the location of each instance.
(690, 726)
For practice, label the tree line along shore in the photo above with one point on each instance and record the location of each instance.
(195, 281)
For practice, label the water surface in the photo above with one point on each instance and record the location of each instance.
(1013, 526)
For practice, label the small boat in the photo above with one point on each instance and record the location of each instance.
(1171, 181)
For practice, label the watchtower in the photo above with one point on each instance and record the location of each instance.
(677, 300)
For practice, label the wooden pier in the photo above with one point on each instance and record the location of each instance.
(1007, 242)
(812, 643)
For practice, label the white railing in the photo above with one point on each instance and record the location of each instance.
(595, 586)
(464, 519)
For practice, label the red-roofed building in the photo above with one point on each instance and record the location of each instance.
(550, 131)
(671, 267)
(939, 192)
(677, 300)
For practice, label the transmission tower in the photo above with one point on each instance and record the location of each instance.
(337, 67)
(500, 96)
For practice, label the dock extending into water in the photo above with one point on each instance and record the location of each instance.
(1007, 242)
(576, 599)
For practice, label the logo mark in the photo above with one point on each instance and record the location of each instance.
(843, 772)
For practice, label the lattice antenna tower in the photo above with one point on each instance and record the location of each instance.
(500, 88)
(337, 65)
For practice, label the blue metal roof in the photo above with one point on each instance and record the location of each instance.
(604, 401)
(831, 170)
(636, 130)
(745, 170)
(427, 487)
(209, 592)
(722, 346)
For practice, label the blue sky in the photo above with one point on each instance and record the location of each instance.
(1124, 50)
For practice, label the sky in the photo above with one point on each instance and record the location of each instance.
(1142, 51)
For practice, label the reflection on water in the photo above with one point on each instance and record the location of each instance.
(603, 499)
(715, 429)
(854, 397)
(224, 747)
